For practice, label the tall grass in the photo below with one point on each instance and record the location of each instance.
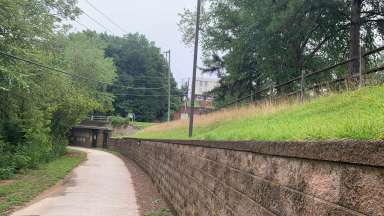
(357, 115)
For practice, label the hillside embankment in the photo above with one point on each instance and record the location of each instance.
(352, 115)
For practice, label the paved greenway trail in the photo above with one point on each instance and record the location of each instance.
(102, 185)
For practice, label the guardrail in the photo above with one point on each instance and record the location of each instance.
(274, 91)
(100, 118)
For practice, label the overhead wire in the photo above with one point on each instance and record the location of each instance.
(81, 24)
(136, 80)
(50, 68)
(141, 79)
(86, 78)
(97, 22)
(135, 95)
(107, 17)
(68, 73)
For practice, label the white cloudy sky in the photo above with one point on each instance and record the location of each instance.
(157, 19)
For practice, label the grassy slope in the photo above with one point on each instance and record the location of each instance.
(118, 121)
(357, 115)
(142, 125)
(28, 185)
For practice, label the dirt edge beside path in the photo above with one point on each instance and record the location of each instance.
(147, 195)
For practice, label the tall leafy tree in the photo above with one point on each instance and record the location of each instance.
(366, 23)
(38, 106)
(270, 42)
(142, 84)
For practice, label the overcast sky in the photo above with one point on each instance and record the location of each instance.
(157, 19)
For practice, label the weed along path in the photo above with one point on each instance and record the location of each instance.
(102, 185)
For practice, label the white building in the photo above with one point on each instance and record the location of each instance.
(205, 85)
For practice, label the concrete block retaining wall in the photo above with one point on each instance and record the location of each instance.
(263, 178)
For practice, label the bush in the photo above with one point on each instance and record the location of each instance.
(118, 121)
(7, 173)
(7, 166)
(21, 161)
(59, 147)
(162, 212)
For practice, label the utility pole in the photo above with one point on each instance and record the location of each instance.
(192, 111)
(354, 66)
(168, 56)
(187, 96)
(188, 87)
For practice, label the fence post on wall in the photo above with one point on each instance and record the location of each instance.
(302, 86)
(252, 100)
(271, 93)
(362, 67)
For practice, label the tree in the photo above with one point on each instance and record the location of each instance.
(82, 54)
(39, 105)
(270, 42)
(367, 16)
(142, 83)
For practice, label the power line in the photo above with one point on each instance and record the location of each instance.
(147, 95)
(97, 22)
(141, 88)
(158, 84)
(109, 19)
(81, 24)
(50, 68)
(141, 95)
(146, 79)
(67, 73)
(135, 79)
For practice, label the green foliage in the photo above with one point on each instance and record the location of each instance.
(252, 44)
(140, 64)
(162, 212)
(7, 166)
(118, 121)
(357, 115)
(142, 125)
(39, 106)
(22, 160)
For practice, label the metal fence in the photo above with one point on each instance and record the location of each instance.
(313, 84)
(100, 118)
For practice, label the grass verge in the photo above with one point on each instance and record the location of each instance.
(27, 185)
(354, 115)
(162, 212)
(118, 121)
(142, 125)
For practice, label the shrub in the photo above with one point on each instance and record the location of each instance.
(21, 161)
(162, 212)
(118, 121)
(7, 173)
(7, 166)
(59, 147)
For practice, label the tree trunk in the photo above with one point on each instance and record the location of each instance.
(354, 66)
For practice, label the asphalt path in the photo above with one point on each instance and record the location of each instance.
(102, 185)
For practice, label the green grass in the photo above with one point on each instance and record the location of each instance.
(142, 125)
(354, 115)
(162, 212)
(24, 187)
(118, 121)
